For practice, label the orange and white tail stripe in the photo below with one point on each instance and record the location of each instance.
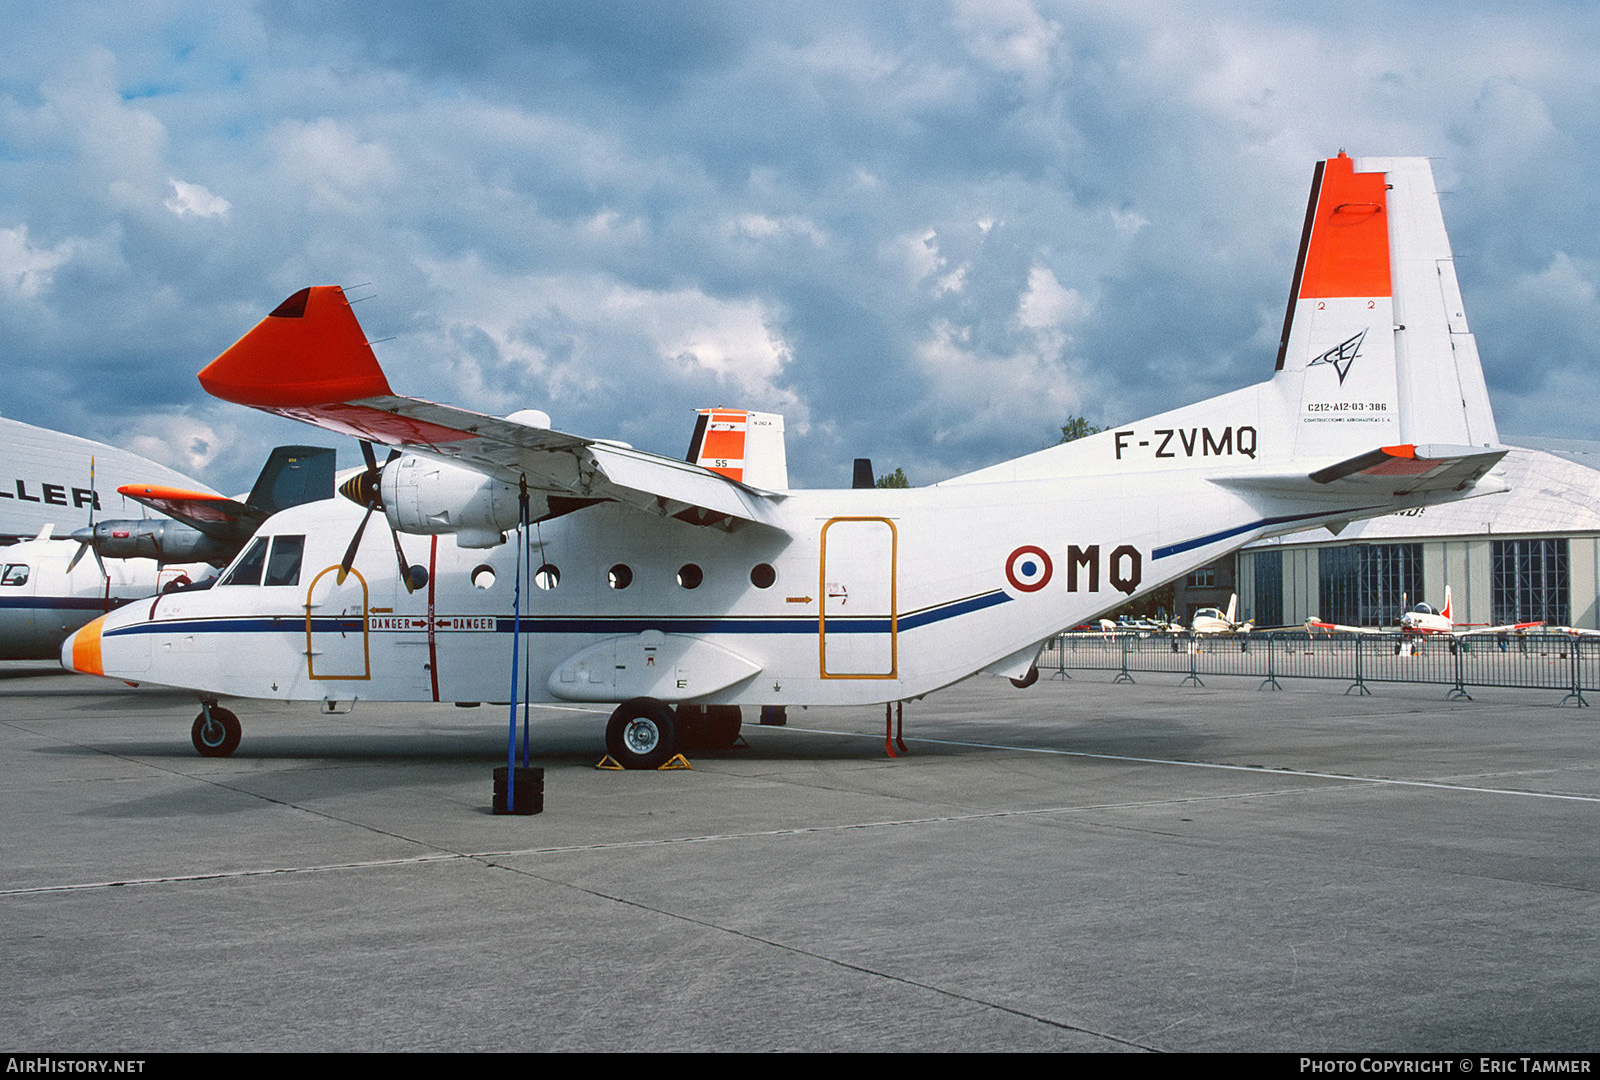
(722, 448)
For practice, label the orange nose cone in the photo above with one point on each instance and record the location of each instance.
(81, 652)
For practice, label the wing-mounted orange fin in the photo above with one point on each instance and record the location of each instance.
(309, 351)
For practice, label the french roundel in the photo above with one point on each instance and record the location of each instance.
(1028, 569)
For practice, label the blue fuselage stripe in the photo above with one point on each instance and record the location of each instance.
(61, 603)
(1226, 534)
(631, 624)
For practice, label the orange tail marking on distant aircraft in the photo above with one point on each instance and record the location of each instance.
(723, 449)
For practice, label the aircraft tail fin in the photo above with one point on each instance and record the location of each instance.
(741, 445)
(1375, 361)
(1445, 611)
(293, 475)
(1375, 348)
(1233, 609)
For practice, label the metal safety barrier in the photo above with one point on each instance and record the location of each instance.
(1541, 661)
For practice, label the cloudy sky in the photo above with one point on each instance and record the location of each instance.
(926, 232)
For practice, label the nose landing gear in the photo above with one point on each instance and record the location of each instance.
(216, 731)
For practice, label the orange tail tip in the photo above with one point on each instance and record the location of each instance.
(1348, 250)
(82, 650)
(309, 351)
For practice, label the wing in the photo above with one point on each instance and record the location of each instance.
(216, 516)
(1328, 627)
(1508, 628)
(309, 360)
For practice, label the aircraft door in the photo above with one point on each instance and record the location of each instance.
(337, 637)
(857, 619)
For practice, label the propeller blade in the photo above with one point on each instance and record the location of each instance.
(366, 488)
(77, 558)
(355, 542)
(405, 569)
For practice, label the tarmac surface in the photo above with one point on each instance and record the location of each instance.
(1076, 866)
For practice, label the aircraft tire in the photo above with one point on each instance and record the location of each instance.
(642, 734)
(709, 727)
(1027, 680)
(219, 737)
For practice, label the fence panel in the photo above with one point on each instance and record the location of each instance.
(1544, 661)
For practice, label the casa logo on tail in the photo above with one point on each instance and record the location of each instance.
(1341, 356)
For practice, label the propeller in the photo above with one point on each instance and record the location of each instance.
(86, 537)
(366, 489)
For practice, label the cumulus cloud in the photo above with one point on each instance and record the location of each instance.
(192, 200)
(26, 270)
(895, 223)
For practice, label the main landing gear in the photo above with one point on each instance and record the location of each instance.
(216, 731)
(645, 733)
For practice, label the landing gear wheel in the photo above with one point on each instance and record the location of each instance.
(709, 727)
(1027, 680)
(642, 734)
(216, 735)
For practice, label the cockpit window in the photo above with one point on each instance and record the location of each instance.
(283, 567)
(247, 571)
(15, 574)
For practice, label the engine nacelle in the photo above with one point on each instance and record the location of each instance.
(435, 498)
(154, 538)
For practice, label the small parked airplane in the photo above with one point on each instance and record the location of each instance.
(1210, 620)
(677, 588)
(1422, 621)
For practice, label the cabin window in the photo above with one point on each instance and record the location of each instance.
(483, 576)
(763, 575)
(620, 576)
(283, 565)
(247, 570)
(690, 576)
(15, 574)
(547, 577)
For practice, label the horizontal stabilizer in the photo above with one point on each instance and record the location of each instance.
(1387, 472)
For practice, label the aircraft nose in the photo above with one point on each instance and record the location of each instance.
(81, 651)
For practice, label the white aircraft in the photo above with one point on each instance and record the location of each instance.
(660, 583)
(48, 589)
(47, 592)
(1423, 620)
(1210, 620)
(45, 478)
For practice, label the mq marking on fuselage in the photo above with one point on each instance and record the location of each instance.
(1029, 568)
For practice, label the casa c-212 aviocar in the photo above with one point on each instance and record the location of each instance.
(668, 585)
